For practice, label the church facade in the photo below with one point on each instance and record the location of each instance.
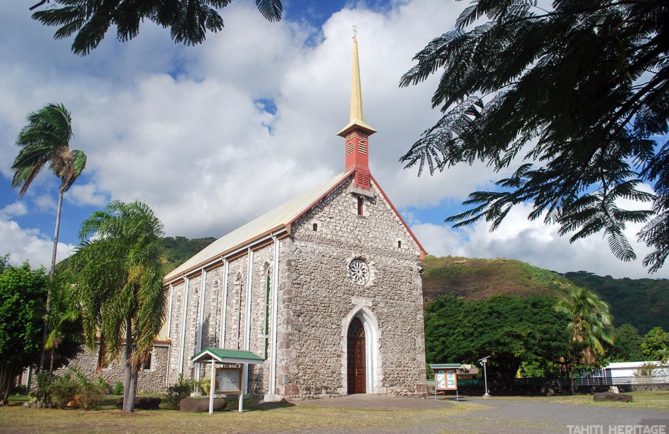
(325, 288)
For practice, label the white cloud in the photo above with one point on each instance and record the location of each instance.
(15, 209)
(536, 243)
(86, 194)
(45, 203)
(196, 139)
(28, 245)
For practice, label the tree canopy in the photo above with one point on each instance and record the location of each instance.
(655, 345)
(188, 20)
(626, 344)
(22, 296)
(579, 94)
(510, 328)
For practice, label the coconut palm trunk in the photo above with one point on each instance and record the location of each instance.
(52, 271)
(128, 366)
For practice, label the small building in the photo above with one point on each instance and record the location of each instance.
(628, 373)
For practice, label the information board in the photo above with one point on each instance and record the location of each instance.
(228, 380)
(445, 379)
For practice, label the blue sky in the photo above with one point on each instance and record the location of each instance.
(214, 135)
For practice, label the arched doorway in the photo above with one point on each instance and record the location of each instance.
(357, 357)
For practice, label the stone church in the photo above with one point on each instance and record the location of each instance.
(325, 290)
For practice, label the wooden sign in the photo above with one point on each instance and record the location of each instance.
(228, 380)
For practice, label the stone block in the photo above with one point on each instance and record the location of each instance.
(142, 403)
(200, 405)
(610, 396)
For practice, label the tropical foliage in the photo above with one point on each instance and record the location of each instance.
(22, 295)
(64, 338)
(119, 285)
(640, 302)
(626, 344)
(512, 330)
(590, 324)
(578, 93)
(655, 345)
(46, 140)
(590, 329)
(188, 20)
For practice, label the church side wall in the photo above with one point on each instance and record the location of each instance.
(319, 298)
(149, 380)
(234, 306)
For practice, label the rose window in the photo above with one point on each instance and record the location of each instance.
(358, 271)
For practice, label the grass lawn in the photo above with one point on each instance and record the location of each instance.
(284, 417)
(656, 399)
(465, 416)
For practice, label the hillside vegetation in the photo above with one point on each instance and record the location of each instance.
(643, 303)
(174, 251)
(483, 278)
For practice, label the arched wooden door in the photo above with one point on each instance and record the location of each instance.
(357, 375)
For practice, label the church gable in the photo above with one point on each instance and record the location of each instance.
(358, 218)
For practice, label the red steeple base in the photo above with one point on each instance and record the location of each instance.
(357, 157)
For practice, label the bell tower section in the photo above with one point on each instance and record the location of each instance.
(356, 133)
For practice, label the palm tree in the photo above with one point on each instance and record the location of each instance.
(46, 140)
(119, 285)
(64, 313)
(590, 325)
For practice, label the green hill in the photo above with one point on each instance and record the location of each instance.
(174, 251)
(482, 278)
(643, 303)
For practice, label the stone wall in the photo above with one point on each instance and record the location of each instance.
(234, 305)
(319, 299)
(149, 380)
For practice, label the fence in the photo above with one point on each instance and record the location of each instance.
(622, 381)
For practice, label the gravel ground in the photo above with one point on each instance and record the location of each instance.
(508, 415)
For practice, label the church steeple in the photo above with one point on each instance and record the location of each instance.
(356, 132)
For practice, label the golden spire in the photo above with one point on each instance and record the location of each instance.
(355, 113)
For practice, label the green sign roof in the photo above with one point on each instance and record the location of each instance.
(445, 365)
(224, 355)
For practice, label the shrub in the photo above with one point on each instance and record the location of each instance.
(91, 393)
(178, 391)
(205, 384)
(64, 388)
(42, 389)
(118, 388)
